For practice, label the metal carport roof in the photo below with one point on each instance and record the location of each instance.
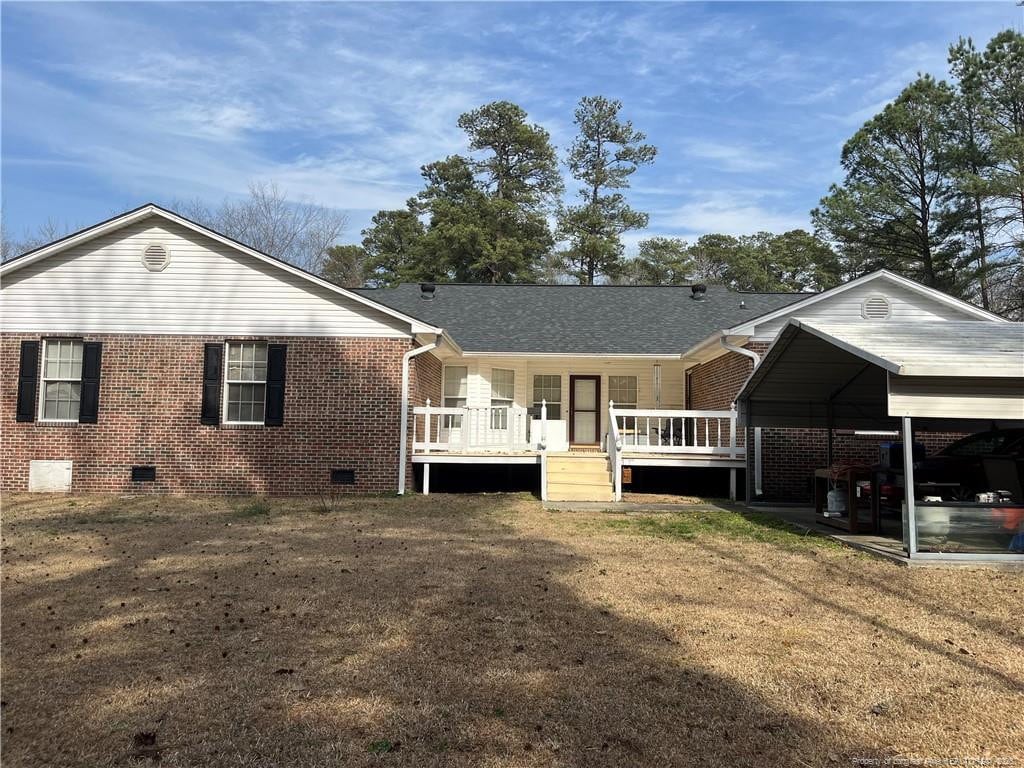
(867, 375)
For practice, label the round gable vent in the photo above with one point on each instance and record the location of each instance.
(155, 257)
(875, 308)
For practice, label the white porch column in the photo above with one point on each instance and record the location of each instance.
(908, 485)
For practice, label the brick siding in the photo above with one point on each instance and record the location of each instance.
(342, 401)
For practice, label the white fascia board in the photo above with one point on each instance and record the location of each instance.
(416, 326)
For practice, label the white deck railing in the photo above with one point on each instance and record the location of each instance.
(639, 431)
(491, 428)
(665, 431)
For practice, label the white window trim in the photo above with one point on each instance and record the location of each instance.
(224, 390)
(41, 395)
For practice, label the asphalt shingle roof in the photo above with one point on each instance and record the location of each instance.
(579, 319)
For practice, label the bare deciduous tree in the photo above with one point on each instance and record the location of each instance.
(47, 232)
(300, 232)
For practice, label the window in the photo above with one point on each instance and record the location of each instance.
(455, 386)
(455, 393)
(62, 380)
(622, 391)
(246, 380)
(548, 387)
(503, 393)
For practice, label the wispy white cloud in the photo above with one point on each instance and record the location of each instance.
(343, 102)
(731, 212)
(733, 157)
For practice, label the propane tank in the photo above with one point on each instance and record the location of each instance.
(836, 503)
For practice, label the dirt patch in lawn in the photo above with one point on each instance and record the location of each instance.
(483, 631)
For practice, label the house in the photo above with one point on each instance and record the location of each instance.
(658, 367)
(150, 353)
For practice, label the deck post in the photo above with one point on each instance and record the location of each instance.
(732, 436)
(544, 449)
(426, 441)
(908, 486)
(732, 484)
(426, 478)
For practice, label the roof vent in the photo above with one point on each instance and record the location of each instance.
(427, 291)
(155, 257)
(697, 291)
(875, 308)
(743, 304)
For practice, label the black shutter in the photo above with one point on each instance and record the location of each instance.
(212, 356)
(89, 402)
(28, 381)
(274, 414)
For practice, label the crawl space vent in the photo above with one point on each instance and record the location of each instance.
(155, 257)
(875, 308)
(143, 474)
(343, 476)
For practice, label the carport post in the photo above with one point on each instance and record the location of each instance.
(908, 485)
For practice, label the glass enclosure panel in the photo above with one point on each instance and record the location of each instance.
(970, 527)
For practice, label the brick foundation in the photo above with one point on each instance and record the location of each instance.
(342, 401)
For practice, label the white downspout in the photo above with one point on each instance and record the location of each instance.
(758, 488)
(404, 430)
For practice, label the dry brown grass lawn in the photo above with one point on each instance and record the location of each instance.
(482, 631)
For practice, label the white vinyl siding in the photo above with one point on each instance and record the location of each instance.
(61, 380)
(905, 305)
(245, 380)
(102, 286)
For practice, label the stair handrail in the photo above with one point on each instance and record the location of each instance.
(614, 450)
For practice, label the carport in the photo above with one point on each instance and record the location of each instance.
(946, 376)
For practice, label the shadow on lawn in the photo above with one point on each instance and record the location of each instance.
(352, 638)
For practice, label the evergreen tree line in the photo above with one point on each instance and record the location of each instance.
(933, 189)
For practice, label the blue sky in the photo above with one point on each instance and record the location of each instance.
(108, 105)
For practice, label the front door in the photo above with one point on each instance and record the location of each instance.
(584, 416)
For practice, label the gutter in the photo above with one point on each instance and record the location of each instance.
(758, 474)
(404, 428)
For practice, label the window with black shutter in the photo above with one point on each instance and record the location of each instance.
(212, 369)
(28, 381)
(276, 358)
(89, 404)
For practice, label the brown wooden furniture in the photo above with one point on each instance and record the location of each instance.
(853, 521)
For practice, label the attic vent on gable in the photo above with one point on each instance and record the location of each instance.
(875, 308)
(155, 257)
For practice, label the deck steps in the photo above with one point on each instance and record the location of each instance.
(579, 477)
